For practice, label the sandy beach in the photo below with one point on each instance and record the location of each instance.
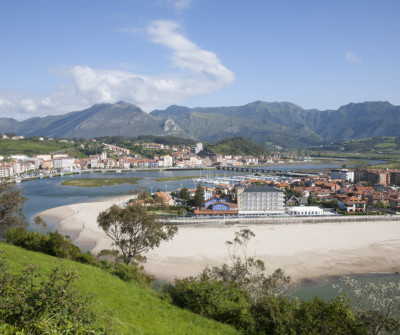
(302, 250)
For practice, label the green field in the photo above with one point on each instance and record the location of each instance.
(99, 182)
(29, 147)
(135, 309)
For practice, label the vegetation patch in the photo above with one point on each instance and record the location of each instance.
(136, 309)
(99, 182)
(175, 178)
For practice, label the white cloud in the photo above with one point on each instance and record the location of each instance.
(351, 57)
(6, 104)
(178, 5)
(200, 72)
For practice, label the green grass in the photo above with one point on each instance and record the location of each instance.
(175, 178)
(131, 304)
(10, 147)
(99, 182)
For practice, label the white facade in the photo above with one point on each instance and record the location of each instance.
(342, 174)
(6, 171)
(63, 163)
(305, 210)
(167, 161)
(259, 200)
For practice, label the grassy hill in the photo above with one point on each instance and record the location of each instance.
(237, 146)
(31, 146)
(136, 309)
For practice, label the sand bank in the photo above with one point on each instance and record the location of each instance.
(302, 250)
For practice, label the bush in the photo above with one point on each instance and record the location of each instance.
(273, 315)
(55, 244)
(37, 304)
(131, 272)
(214, 299)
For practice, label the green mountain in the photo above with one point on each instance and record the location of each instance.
(281, 123)
(120, 119)
(287, 124)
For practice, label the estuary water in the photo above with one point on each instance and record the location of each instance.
(48, 193)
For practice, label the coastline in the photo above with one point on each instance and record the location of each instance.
(304, 251)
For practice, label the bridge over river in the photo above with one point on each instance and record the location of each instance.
(262, 169)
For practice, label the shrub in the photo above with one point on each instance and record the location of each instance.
(44, 304)
(214, 299)
(131, 272)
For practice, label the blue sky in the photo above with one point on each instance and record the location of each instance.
(58, 56)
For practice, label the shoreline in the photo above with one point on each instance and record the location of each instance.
(305, 251)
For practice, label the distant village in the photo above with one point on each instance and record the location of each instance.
(342, 191)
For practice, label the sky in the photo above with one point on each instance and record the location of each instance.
(58, 56)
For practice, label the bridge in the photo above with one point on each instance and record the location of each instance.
(278, 172)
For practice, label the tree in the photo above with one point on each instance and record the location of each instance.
(377, 305)
(134, 230)
(11, 204)
(184, 194)
(199, 196)
(247, 272)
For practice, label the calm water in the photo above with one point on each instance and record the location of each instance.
(48, 193)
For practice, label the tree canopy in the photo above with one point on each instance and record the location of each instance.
(11, 205)
(134, 230)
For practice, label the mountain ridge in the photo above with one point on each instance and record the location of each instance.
(282, 123)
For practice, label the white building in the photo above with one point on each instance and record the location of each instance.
(6, 171)
(63, 163)
(305, 210)
(168, 162)
(342, 174)
(260, 200)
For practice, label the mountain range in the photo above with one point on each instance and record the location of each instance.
(279, 123)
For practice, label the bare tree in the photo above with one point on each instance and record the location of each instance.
(377, 305)
(134, 230)
(248, 272)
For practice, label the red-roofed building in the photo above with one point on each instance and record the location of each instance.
(352, 204)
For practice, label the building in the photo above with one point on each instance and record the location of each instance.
(260, 200)
(305, 210)
(352, 204)
(342, 174)
(6, 171)
(217, 206)
(63, 163)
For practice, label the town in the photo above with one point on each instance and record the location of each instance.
(337, 191)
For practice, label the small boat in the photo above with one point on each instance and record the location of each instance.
(118, 171)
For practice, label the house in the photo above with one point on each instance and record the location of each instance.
(352, 204)
(292, 200)
(166, 198)
(218, 206)
(395, 203)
